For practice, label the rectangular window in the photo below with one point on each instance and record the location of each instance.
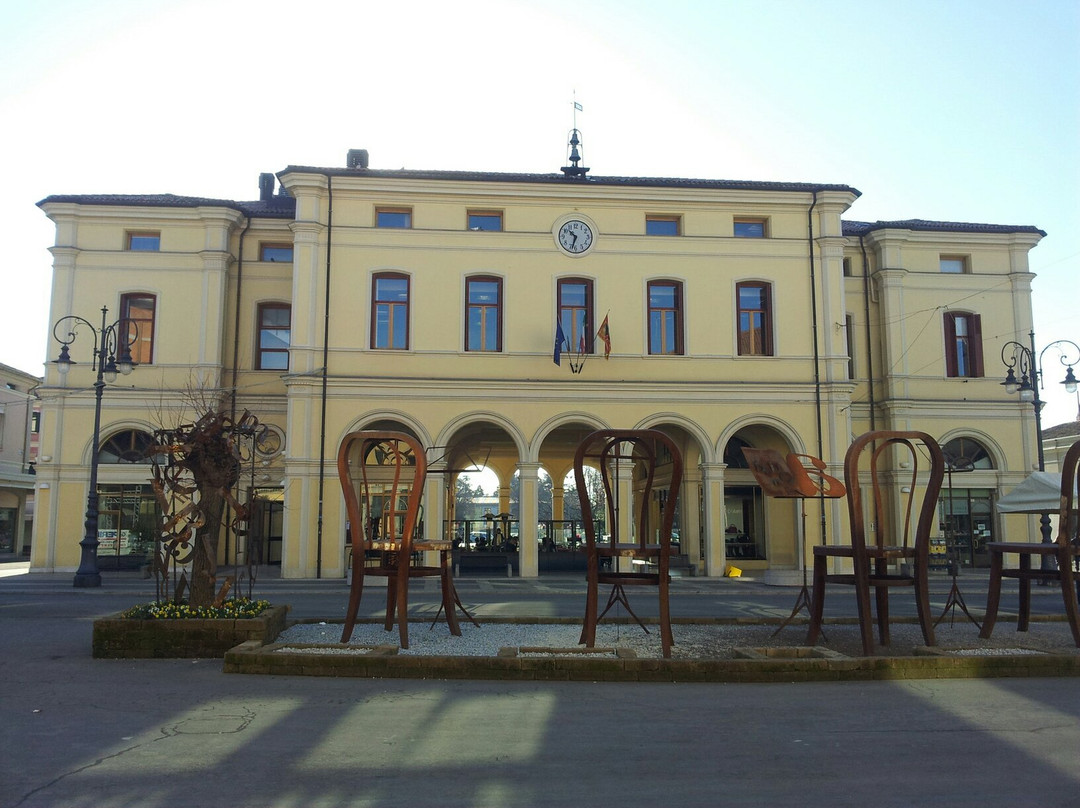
(665, 317)
(144, 242)
(662, 226)
(750, 228)
(483, 314)
(953, 264)
(754, 318)
(276, 253)
(275, 335)
(35, 422)
(847, 267)
(485, 220)
(576, 313)
(963, 345)
(390, 311)
(138, 311)
(393, 217)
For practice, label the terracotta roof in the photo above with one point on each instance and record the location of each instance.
(1062, 430)
(560, 179)
(861, 228)
(280, 207)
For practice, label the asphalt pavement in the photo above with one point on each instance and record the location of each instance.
(75, 731)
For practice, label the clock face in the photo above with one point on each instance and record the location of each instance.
(575, 236)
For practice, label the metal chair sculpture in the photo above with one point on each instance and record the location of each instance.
(1065, 550)
(910, 543)
(382, 476)
(612, 449)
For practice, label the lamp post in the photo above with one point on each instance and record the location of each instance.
(1018, 357)
(112, 355)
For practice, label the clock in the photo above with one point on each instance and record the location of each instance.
(575, 237)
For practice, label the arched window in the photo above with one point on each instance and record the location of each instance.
(128, 446)
(733, 455)
(964, 454)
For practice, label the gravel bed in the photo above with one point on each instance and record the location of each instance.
(691, 641)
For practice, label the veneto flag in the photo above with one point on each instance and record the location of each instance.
(604, 333)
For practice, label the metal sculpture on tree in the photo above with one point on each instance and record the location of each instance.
(196, 468)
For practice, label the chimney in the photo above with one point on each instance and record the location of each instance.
(266, 187)
(357, 158)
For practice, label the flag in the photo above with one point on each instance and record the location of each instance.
(581, 340)
(578, 107)
(560, 338)
(604, 333)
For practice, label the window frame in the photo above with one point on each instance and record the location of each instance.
(498, 307)
(137, 354)
(677, 312)
(275, 245)
(563, 309)
(972, 339)
(391, 305)
(767, 347)
(484, 214)
(131, 236)
(393, 211)
(260, 326)
(750, 220)
(658, 219)
(959, 260)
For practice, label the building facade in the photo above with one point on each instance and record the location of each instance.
(726, 313)
(18, 456)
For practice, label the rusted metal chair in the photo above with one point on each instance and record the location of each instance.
(382, 476)
(890, 461)
(622, 452)
(1064, 550)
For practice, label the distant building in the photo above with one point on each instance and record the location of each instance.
(1056, 442)
(739, 313)
(18, 455)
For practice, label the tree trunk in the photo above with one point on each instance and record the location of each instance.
(204, 562)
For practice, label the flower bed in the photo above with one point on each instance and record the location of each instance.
(173, 635)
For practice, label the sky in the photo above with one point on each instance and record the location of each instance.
(959, 110)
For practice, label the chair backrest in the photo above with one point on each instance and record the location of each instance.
(893, 460)
(1068, 519)
(611, 449)
(382, 478)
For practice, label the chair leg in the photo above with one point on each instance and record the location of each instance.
(993, 595)
(588, 631)
(1068, 591)
(391, 602)
(1023, 616)
(922, 603)
(881, 596)
(817, 601)
(403, 601)
(449, 600)
(666, 637)
(356, 591)
(862, 597)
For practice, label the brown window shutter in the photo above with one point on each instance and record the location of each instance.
(950, 344)
(975, 341)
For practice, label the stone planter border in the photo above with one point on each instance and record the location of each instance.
(206, 638)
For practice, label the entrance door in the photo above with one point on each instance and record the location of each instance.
(966, 514)
(127, 516)
(269, 522)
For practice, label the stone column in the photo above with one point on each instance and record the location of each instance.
(713, 506)
(528, 555)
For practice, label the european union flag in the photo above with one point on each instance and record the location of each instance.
(560, 340)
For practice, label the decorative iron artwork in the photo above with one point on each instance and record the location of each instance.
(196, 469)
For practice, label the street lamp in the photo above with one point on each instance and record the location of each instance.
(112, 355)
(1023, 358)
